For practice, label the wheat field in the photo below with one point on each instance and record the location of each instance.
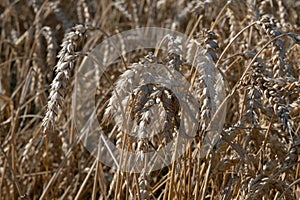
(241, 62)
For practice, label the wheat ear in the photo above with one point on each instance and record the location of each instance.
(67, 57)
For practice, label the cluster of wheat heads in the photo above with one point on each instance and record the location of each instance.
(252, 46)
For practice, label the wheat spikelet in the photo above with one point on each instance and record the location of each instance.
(67, 57)
(119, 5)
(51, 45)
(144, 185)
(212, 81)
(38, 79)
(83, 13)
(135, 13)
(293, 154)
(282, 12)
(233, 23)
(112, 185)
